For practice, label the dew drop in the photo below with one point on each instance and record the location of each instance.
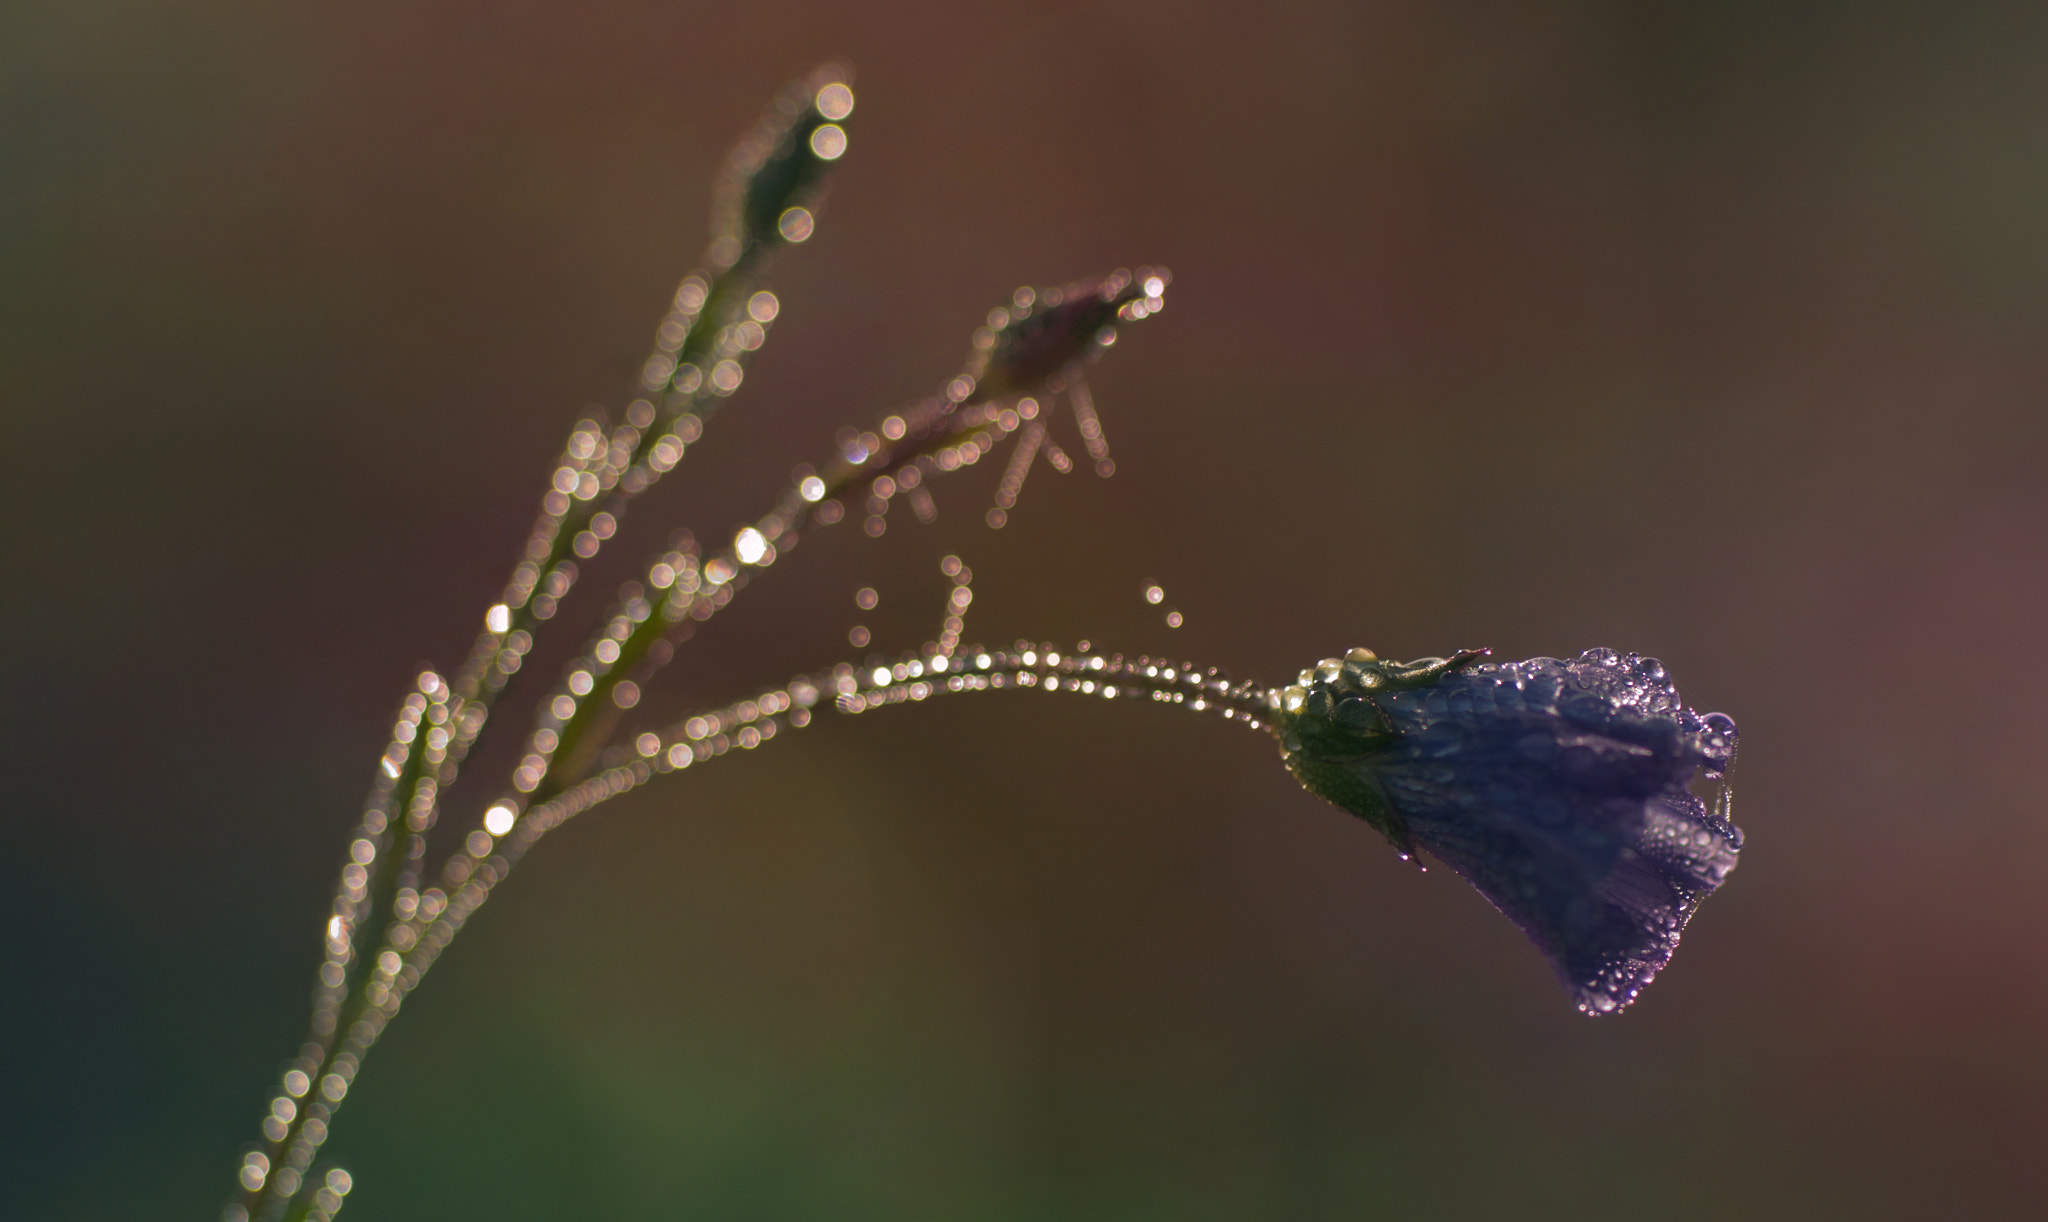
(796, 224)
(834, 101)
(829, 142)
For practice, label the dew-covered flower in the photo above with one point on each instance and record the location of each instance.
(1562, 790)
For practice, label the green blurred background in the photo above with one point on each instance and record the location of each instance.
(1713, 332)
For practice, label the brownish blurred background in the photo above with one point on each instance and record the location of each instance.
(1712, 332)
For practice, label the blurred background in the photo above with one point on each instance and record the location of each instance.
(1710, 332)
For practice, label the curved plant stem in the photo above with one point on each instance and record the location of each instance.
(472, 874)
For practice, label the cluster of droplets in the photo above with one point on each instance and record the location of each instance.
(1155, 596)
(326, 1200)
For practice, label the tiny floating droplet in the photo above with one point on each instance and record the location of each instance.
(1154, 595)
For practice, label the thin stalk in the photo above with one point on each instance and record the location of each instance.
(719, 318)
(471, 875)
(1030, 352)
(1037, 344)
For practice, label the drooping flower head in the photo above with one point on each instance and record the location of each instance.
(1560, 789)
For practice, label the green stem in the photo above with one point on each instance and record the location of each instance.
(470, 877)
(699, 366)
(1028, 355)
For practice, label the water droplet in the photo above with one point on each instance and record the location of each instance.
(829, 141)
(834, 101)
(796, 224)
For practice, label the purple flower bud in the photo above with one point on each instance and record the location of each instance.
(1561, 790)
(1043, 331)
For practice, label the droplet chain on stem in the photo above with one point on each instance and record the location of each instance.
(598, 475)
(470, 875)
